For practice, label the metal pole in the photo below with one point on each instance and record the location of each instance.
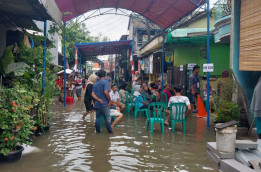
(64, 65)
(162, 61)
(44, 58)
(208, 60)
(80, 64)
(126, 66)
(132, 50)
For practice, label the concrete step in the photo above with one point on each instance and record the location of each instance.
(231, 165)
(222, 155)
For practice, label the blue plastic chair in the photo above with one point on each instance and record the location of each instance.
(178, 109)
(158, 115)
(129, 102)
(137, 107)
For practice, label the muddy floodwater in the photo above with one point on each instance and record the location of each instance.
(71, 144)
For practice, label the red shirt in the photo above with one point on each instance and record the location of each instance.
(59, 82)
(168, 94)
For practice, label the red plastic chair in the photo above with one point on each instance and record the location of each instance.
(69, 100)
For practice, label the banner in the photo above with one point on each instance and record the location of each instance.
(142, 64)
(169, 57)
(139, 65)
(76, 57)
(132, 63)
(151, 65)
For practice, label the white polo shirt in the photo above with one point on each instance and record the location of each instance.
(114, 96)
(178, 99)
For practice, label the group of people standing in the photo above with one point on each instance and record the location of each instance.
(102, 96)
(75, 85)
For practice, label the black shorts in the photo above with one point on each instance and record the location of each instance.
(192, 98)
(88, 106)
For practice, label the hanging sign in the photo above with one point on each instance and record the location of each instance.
(151, 65)
(209, 67)
(191, 65)
(169, 57)
(181, 68)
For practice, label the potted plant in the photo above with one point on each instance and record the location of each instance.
(226, 137)
(16, 124)
(227, 111)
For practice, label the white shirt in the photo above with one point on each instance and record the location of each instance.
(137, 82)
(178, 99)
(114, 96)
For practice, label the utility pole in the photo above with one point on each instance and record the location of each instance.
(110, 61)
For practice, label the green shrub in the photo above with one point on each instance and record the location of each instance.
(227, 111)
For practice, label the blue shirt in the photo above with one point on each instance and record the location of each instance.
(194, 81)
(98, 89)
(138, 102)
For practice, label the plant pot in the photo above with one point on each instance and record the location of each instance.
(46, 128)
(13, 156)
(226, 139)
(38, 132)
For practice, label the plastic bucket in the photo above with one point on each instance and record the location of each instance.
(226, 139)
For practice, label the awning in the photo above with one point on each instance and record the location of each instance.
(22, 23)
(29, 10)
(152, 46)
(103, 48)
(164, 13)
(189, 36)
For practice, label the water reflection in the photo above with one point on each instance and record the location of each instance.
(72, 145)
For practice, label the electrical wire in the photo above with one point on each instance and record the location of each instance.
(110, 24)
(108, 19)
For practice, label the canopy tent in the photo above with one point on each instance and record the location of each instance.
(164, 13)
(103, 48)
(100, 48)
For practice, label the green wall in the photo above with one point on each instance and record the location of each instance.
(219, 55)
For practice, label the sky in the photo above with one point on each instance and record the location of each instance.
(111, 25)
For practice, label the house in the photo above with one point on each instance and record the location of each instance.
(187, 45)
(56, 41)
(21, 15)
(245, 51)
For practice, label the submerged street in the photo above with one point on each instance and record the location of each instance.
(71, 144)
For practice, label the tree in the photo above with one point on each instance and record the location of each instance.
(78, 33)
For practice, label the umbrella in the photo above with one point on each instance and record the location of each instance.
(68, 71)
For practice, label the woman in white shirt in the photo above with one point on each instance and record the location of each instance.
(115, 98)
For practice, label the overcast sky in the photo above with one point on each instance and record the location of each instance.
(111, 25)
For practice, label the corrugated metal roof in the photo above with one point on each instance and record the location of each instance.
(164, 13)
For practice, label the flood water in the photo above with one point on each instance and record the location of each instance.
(71, 144)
